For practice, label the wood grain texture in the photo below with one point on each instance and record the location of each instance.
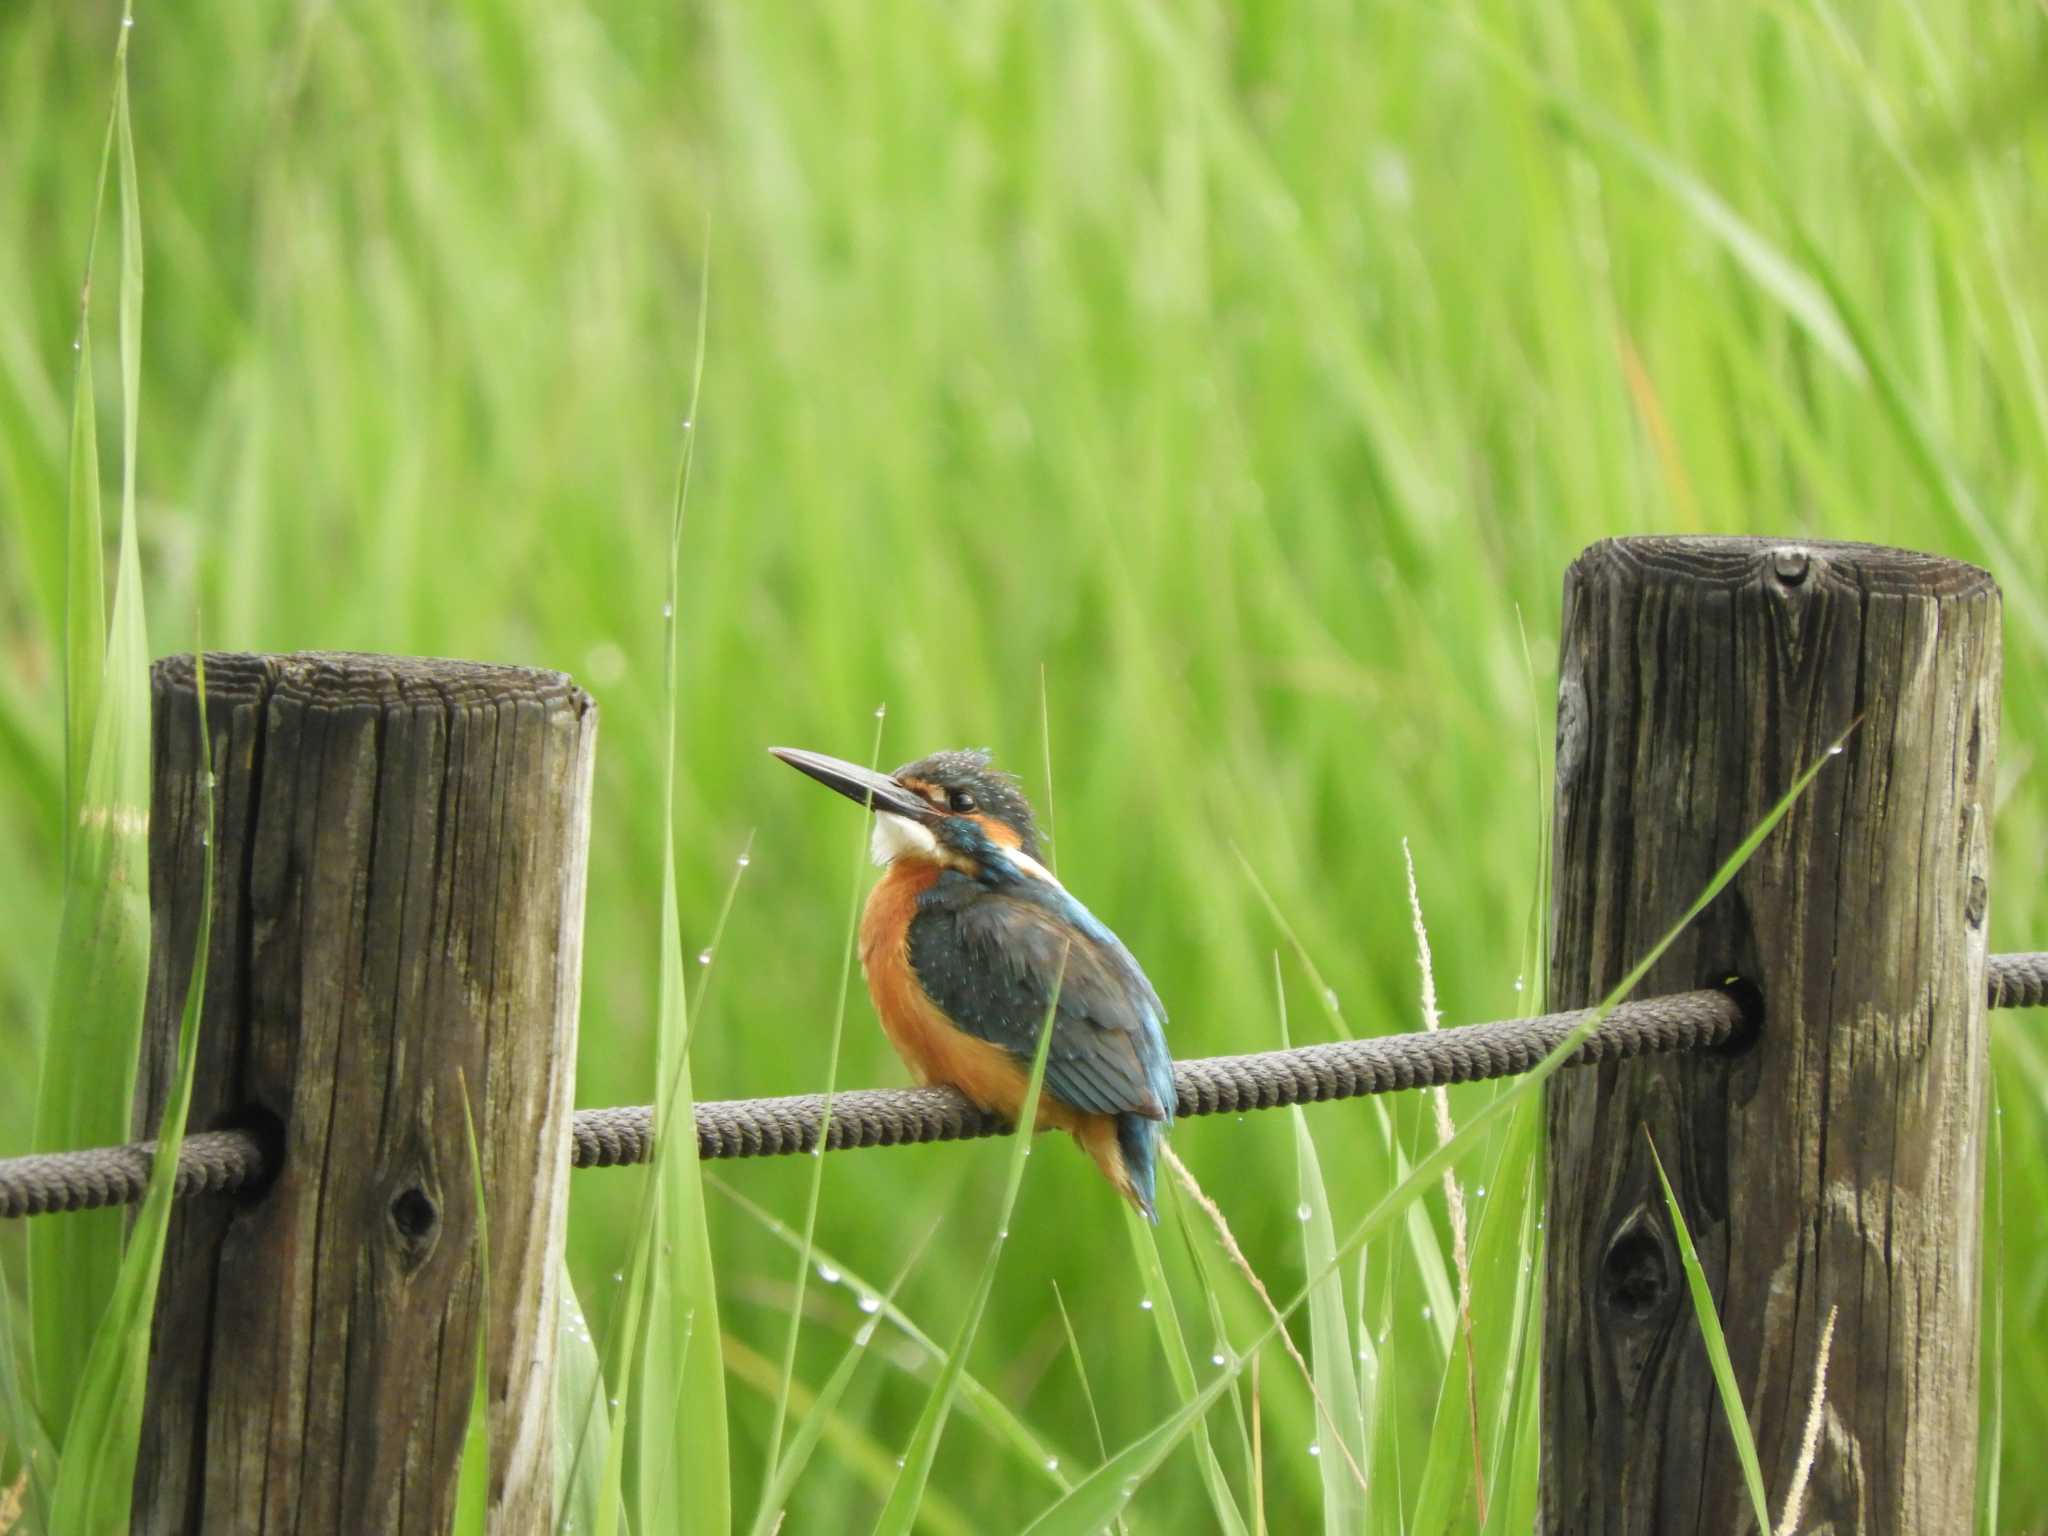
(1838, 1161)
(401, 854)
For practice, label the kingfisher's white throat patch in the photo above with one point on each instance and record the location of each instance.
(896, 835)
(1030, 867)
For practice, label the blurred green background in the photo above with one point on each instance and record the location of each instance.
(1243, 378)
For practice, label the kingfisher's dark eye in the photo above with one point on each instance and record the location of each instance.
(960, 801)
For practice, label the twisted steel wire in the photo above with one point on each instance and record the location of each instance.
(223, 1162)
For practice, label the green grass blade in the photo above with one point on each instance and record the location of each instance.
(611, 1515)
(789, 1467)
(683, 1468)
(1992, 1436)
(96, 1475)
(899, 1514)
(979, 1400)
(849, 1433)
(1774, 273)
(1080, 1371)
(1180, 1366)
(1532, 988)
(1514, 1509)
(1502, 1268)
(1431, 1266)
(817, 1182)
(1099, 1499)
(1717, 1349)
(1331, 1352)
(25, 1436)
(85, 598)
(473, 1479)
(85, 594)
(103, 941)
(582, 1429)
(684, 1480)
(1215, 1262)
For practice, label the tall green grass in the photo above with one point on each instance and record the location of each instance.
(73, 1402)
(1246, 369)
(102, 950)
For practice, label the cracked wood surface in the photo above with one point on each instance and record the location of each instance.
(398, 914)
(1837, 1162)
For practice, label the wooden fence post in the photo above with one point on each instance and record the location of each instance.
(400, 853)
(1837, 1163)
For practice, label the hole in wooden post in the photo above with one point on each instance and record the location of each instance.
(414, 1214)
(1977, 901)
(268, 1129)
(1750, 997)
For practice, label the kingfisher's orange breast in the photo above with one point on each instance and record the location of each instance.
(933, 1047)
(930, 1045)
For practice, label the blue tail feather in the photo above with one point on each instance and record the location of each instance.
(1138, 1139)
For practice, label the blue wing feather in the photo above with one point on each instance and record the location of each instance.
(992, 958)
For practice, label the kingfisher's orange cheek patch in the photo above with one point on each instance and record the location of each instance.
(999, 834)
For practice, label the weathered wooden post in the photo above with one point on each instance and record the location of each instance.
(1838, 1161)
(400, 854)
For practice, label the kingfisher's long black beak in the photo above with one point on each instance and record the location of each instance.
(858, 783)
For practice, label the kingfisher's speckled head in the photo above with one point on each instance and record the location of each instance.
(952, 808)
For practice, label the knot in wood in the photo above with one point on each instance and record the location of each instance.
(416, 1218)
(1635, 1272)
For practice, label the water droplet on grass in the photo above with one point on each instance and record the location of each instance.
(744, 860)
(1303, 1211)
(704, 957)
(1314, 1449)
(1052, 1463)
(871, 1304)
(1144, 1303)
(828, 1274)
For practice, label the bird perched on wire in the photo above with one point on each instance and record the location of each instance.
(968, 940)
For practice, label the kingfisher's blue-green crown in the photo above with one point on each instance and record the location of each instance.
(972, 783)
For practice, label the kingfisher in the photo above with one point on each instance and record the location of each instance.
(968, 943)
